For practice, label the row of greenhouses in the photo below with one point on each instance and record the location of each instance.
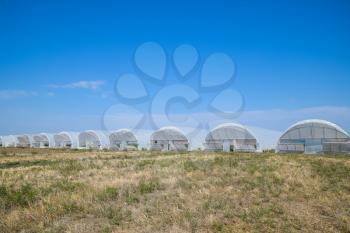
(92, 139)
(309, 136)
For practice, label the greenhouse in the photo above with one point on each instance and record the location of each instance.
(9, 141)
(92, 139)
(230, 137)
(169, 139)
(43, 140)
(66, 140)
(314, 136)
(123, 139)
(23, 140)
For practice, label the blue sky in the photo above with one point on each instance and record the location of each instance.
(60, 60)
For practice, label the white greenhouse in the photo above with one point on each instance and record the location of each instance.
(314, 136)
(169, 139)
(230, 137)
(66, 140)
(123, 139)
(9, 141)
(92, 139)
(43, 140)
(23, 140)
(17, 141)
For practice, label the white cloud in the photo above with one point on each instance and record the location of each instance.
(10, 94)
(90, 85)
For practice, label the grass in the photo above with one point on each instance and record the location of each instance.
(148, 186)
(22, 196)
(101, 191)
(117, 216)
(109, 193)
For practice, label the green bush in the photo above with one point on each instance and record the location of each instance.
(148, 186)
(11, 197)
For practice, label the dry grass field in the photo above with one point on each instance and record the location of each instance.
(100, 191)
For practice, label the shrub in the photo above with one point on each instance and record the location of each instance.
(23, 196)
(217, 227)
(109, 193)
(117, 215)
(71, 206)
(148, 186)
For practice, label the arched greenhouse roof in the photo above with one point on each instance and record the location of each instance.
(123, 135)
(9, 141)
(44, 136)
(314, 129)
(168, 133)
(72, 136)
(100, 135)
(24, 139)
(229, 131)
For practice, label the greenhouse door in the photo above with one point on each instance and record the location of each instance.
(124, 145)
(313, 146)
(226, 146)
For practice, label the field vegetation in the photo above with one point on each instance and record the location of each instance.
(100, 191)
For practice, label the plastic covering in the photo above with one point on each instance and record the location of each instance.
(313, 136)
(23, 140)
(123, 139)
(93, 139)
(9, 141)
(169, 139)
(336, 147)
(230, 137)
(66, 140)
(43, 140)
